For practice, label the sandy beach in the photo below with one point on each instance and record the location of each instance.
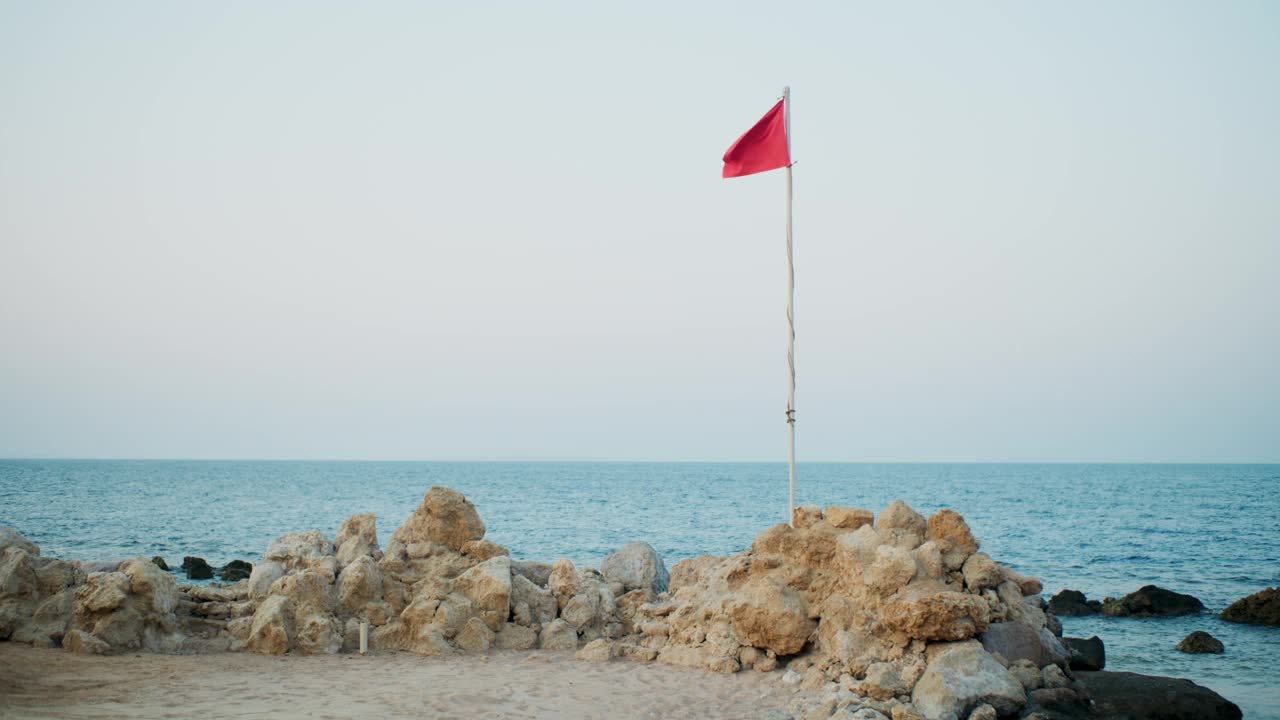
(41, 683)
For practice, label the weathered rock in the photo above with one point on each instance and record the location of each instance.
(235, 571)
(474, 637)
(770, 615)
(1054, 677)
(892, 568)
(358, 585)
(883, 681)
(951, 533)
(981, 572)
(848, 518)
(1017, 641)
(1201, 642)
(1028, 674)
(129, 609)
(1057, 704)
(539, 605)
(599, 650)
(515, 637)
(536, 572)
(1148, 697)
(927, 611)
(983, 712)
(196, 568)
(481, 550)
(488, 587)
(581, 610)
(10, 538)
(1073, 603)
(962, 676)
(270, 631)
(1260, 608)
(558, 635)
(1086, 653)
(637, 566)
(563, 581)
(160, 563)
(357, 537)
(806, 516)
(1152, 601)
(899, 525)
(79, 641)
(444, 517)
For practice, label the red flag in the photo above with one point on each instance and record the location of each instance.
(763, 147)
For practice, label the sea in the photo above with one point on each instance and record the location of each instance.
(1209, 530)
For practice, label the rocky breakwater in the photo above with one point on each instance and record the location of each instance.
(85, 607)
(890, 616)
(438, 588)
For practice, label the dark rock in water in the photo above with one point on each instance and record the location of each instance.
(235, 570)
(1152, 601)
(1058, 704)
(197, 568)
(1201, 642)
(160, 563)
(1072, 603)
(1149, 697)
(1260, 608)
(1086, 653)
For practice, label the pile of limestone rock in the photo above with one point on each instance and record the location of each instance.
(889, 616)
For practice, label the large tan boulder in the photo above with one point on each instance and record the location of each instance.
(960, 677)
(129, 609)
(444, 517)
(563, 582)
(19, 587)
(357, 537)
(900, 525)
(928, 611)
(272, 627)
(474, 637)
(771, 616)
(981, 573)
(558, 635)
(359, 584)
(291, 553)
(848, 518)
(488, 587)
(892, 568)
(949, 531)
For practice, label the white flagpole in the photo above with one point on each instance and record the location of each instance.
(791, 326)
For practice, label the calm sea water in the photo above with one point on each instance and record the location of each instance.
(1209, 530)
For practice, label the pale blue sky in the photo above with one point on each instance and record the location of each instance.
(1024, 231)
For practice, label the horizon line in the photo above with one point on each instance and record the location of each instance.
(626, 461)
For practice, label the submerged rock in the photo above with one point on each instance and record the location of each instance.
(1073, 603)
(196, 568)
(1260, 608)
(1086, 653)
(1152, 601)
(1148, 697)
(235, 571)
(1201, 642)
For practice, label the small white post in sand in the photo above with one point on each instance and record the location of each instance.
(364, 638)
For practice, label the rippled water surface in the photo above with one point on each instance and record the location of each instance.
(1209, 530)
